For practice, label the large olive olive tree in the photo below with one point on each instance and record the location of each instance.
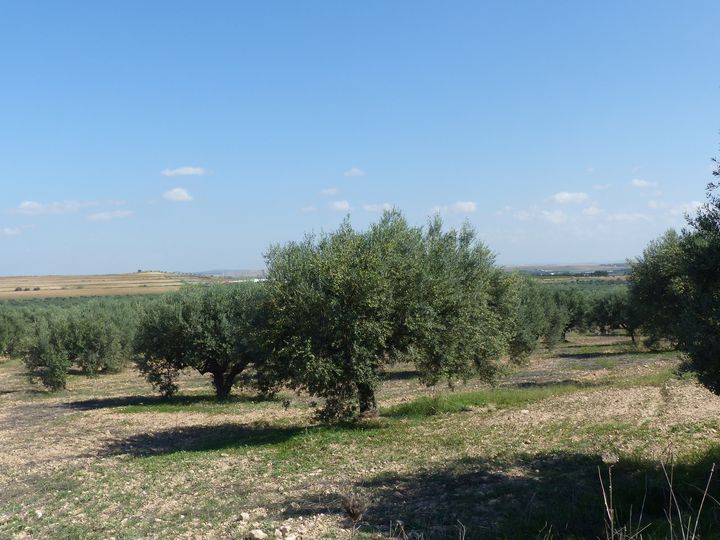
(344, 305)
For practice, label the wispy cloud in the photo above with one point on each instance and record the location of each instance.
(108, 216)
(377, 207)
(184, 171)
(308, 209)
(534, 213)
(685, 208)
(340, 206)
(642, 184)
(460, 207)
(566, 197)
(555, 217)
(602, 187)
(592, 211)
(9, 231)
(35, 208)
(354, 171)
(629, 217)
(177, 194)
(329, 192)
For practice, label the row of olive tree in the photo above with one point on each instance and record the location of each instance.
(97, 337)
(337, 309)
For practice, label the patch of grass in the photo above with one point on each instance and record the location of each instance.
(502, 398)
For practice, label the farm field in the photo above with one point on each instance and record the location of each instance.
(24, 287)
(108, 459)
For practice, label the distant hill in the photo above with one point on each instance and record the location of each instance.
(590, 269)
(236, 274)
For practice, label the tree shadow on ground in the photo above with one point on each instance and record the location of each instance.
(534, 496)
(154, 401)
(595, 355)
(546, 384)
(400, 375)
(201, 438)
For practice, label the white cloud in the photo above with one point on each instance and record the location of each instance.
(642, 184)
(685, 208)
(340, 206)
(308, 209)
(354, 171)
(460, 207)
(9, 231)
(629, 217)
(565, 197)
(108, 216)
(601, 187)
(464, 207)
(329, 192)
(34, 208)
(177, 194)
(184, 171)
(556, 217)
(658, 204)
(377, 207)
(592, 211)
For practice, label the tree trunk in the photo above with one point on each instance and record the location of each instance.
(222, 384)
(368, 405)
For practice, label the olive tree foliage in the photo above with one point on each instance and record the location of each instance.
(344, 305)
(213, 329)
(13, 330)
(538, 316)
(46, 359)
(657, 289)
(677, 284)
(698, 332)
(613, 310)
(96, 337)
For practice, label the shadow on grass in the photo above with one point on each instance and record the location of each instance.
(547, 384)
(534, 496)
(200, 439)
(401, 375)
(596, 355)
(152, 402)
(203, 438)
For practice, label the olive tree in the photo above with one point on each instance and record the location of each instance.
(46, 358)
(214, 329)
(698, 331)
(613, 310)
(657, 289)
(344, 305)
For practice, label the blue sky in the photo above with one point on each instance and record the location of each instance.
(191, 135)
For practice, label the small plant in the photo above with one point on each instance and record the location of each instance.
(355, 505)
(680, 526)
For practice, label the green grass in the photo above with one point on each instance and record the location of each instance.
(501, 398)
